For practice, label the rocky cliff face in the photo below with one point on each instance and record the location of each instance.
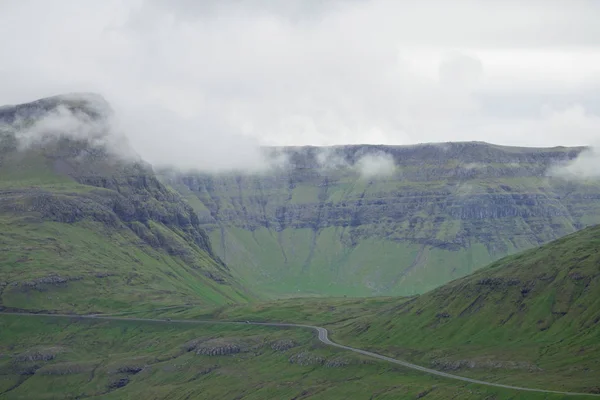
(134, 195)
(58, 171)
(386, 219)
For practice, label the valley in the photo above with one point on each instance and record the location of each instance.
(486, 273)
(436, 212)
(531, 317)
(299, 200)
(133, 359)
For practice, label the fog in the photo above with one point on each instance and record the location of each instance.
(203, 85)
(586, 166)
(192, 144)
(376, 165)
(368, 165)
(91, 120)
(329, 159)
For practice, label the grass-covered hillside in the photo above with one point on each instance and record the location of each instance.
(539, 309)
(386, 220)
(531, 319)
(528, 320)
(85, 229)
(52, 358)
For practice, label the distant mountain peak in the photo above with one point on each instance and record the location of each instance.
(67, 125)
(90, 104)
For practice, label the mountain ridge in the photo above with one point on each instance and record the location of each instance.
(434, 203)
(356, 220)
(84, 228)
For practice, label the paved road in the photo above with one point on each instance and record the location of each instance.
(323, 337)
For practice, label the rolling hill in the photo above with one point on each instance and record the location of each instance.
(528, 319)
(538, 311)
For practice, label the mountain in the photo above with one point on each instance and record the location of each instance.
(538, 311)
(550, 291)
(530, 319)
(84, 227)
(385, 220)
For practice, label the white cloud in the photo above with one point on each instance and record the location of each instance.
(371, 165)
(330, 159)
(203, 84)
(586, 166)
(165, 138)
(82, 117)
(570, 126)
(60, 122)
(376, 165)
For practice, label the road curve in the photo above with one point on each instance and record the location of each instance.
(323, 337)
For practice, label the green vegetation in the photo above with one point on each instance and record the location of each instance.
(50, 357)
(532, 319)
(87, 267)
(84, 230)
(446, 212)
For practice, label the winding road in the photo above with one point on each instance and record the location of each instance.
(323, 337)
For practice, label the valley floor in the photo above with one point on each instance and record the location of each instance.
(85, 358)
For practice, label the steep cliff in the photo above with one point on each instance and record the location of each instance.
(85, 228)
(369, 220)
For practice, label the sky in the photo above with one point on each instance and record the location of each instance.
(204, 83)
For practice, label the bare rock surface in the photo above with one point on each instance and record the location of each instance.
(306, 358)
(219, 347)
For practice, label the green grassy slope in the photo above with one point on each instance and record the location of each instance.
(87, 267)
(528, 319)
(540, 307)
(49, 357)
(444, 213)
(545, 293)
(84, 230)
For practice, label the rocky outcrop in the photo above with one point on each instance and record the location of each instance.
(218, 347)
(26, 369)
(283, 345)
(193, 344)
(42, 354)
(118, 383)
(306, 358)
(130, 369)
(454, 365)
(337, 362)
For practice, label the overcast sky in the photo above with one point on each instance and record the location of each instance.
(205, 79)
